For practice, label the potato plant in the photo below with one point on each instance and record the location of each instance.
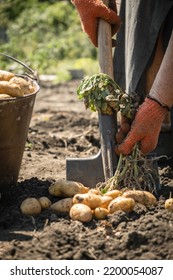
(101, 93)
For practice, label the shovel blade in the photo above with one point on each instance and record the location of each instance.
(88, 171)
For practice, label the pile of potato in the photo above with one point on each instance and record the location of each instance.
(14, 86)
(33, 206)
(84, 204)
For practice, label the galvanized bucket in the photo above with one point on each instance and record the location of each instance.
(15, 117)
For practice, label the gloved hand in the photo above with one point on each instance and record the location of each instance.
(125, 125)
(90, 11)
(145, 128)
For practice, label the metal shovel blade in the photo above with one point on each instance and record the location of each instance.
(95, 169)
(88, 171)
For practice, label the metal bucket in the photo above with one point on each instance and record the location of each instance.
(15, 117)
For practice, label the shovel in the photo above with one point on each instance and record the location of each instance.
(100, 167)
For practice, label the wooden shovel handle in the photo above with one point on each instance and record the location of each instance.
(107, 123)
(105, 46)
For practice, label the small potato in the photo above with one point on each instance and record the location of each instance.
(100, 213)
(143, 197)
(63, 188)
(44, 202)
(89, 199)
(30, 206)
(169, 204)
(113, 193)
(121, 203)
(4, 96)
(105, 200)
(10, 89)
(22, 83)
(62, 206)
(94, 191)
(5, 75)
(81, 212)
(32, 88)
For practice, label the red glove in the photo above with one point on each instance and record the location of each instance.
(123, 130)
(90, 11)
(145, 128)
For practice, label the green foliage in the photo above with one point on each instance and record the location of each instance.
(42, 33)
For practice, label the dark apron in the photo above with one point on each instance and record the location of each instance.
(136, 39)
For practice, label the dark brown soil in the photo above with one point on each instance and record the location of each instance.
(61, 128)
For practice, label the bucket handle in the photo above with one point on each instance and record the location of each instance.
(34, 73)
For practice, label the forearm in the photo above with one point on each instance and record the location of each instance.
(162, 88)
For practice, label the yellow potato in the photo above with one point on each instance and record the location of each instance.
(105, 200)
(63, 188)
(81, 212)
(32, 88)
(89, 199)
(10, 89)
(5, 75)
(113, 193)
(121, 203)
(100, 213)
(94, 191)
(30, 206)
(169, 204)
(4, 96)
(62, 206)
(143, 197)
(44, 202)
(22, 83)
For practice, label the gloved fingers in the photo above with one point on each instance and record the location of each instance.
(123, 130)
(125, 124)
(110, 16)
(148, 144)
(91, 30)
(120, 135)
(115, 28)
(126, 147)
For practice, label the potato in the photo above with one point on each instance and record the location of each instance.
(62, 188)
(95, 191)
(4, 96)
(30, 206)
(62, 206)
(22, 83)
(169, 204)
(143, 197)
(89, 199)
(5, 75)
(81, 212)
(44, 202)
(113, 193)
(121, 203)
(105, 200)
(100, 213)
(10, 89)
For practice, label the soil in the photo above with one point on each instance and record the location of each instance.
(62, 128)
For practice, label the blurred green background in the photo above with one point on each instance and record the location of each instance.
(47, 36)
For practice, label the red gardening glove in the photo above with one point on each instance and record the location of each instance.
(90, 11)
(145, 128)
(123, 130)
